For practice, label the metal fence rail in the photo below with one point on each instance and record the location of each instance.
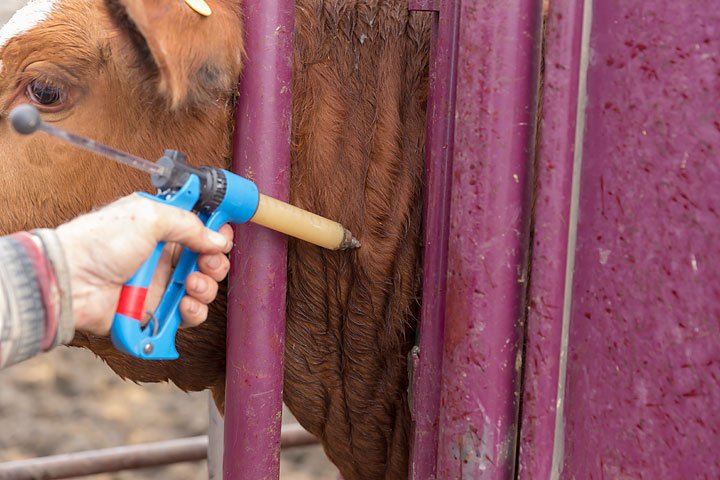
(130, 457)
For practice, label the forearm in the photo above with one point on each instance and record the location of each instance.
(35, 301)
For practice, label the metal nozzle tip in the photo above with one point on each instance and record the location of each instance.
(349, 241)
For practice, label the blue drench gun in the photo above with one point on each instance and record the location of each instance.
(217, 197)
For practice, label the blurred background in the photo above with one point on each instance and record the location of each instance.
(69, 401)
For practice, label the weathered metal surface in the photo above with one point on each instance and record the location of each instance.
(643, 375)
(498, 66)
(427, 357)
(256, 298)
(556, 150)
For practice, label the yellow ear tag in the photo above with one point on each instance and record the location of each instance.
(200, 6)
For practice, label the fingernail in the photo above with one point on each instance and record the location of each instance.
(200, 285)
(217, 239)
(213, 262)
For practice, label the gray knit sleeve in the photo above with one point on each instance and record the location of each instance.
(35, 306)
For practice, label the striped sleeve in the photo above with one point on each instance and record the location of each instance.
(35, 306)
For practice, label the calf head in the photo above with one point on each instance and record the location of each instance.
(142, 76)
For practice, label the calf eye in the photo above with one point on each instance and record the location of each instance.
(45, 94)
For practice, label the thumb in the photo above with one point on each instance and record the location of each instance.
(177, 225)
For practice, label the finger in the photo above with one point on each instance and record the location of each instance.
(176, 225)
(216, 266)
(227, 232)
(192, 312)
(201, 287)
(160, 278)
(175, 251)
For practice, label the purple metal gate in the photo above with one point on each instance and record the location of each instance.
(621, 364)
(488, 52)
(624, 332)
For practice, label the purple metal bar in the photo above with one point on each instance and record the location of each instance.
(498, 71)
(256, 303)
(643, 376)
(427, 357)
(556, 151)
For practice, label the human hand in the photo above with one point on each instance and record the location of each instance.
(103, 249)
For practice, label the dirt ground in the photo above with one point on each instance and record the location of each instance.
(69, 401)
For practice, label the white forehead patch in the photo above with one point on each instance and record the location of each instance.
(31, 15)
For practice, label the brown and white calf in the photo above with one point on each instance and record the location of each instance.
(145, 75)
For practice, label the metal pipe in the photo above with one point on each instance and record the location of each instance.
(129, 457)
(256, 300)
(294, 435)
(498, 71)
(107, 460)
(426, 358)
(556, 149)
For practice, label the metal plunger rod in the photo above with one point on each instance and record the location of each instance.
(271, 213)
(26, 120)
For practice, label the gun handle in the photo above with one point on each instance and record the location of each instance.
(157, 340)
(167, 314)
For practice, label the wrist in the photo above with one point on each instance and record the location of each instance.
(55, 256)
(90, 296)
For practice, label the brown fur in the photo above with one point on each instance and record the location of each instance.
(360, 90)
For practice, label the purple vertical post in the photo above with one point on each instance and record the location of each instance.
(556, 150)
(427, 357)
(256, 298)
(642, 395)
(497, 83)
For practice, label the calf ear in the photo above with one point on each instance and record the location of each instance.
(196, 56)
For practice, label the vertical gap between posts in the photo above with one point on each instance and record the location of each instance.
(551, 210)
(559, 440)
(531, 192)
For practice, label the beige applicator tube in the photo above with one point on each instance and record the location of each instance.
(298, 223)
